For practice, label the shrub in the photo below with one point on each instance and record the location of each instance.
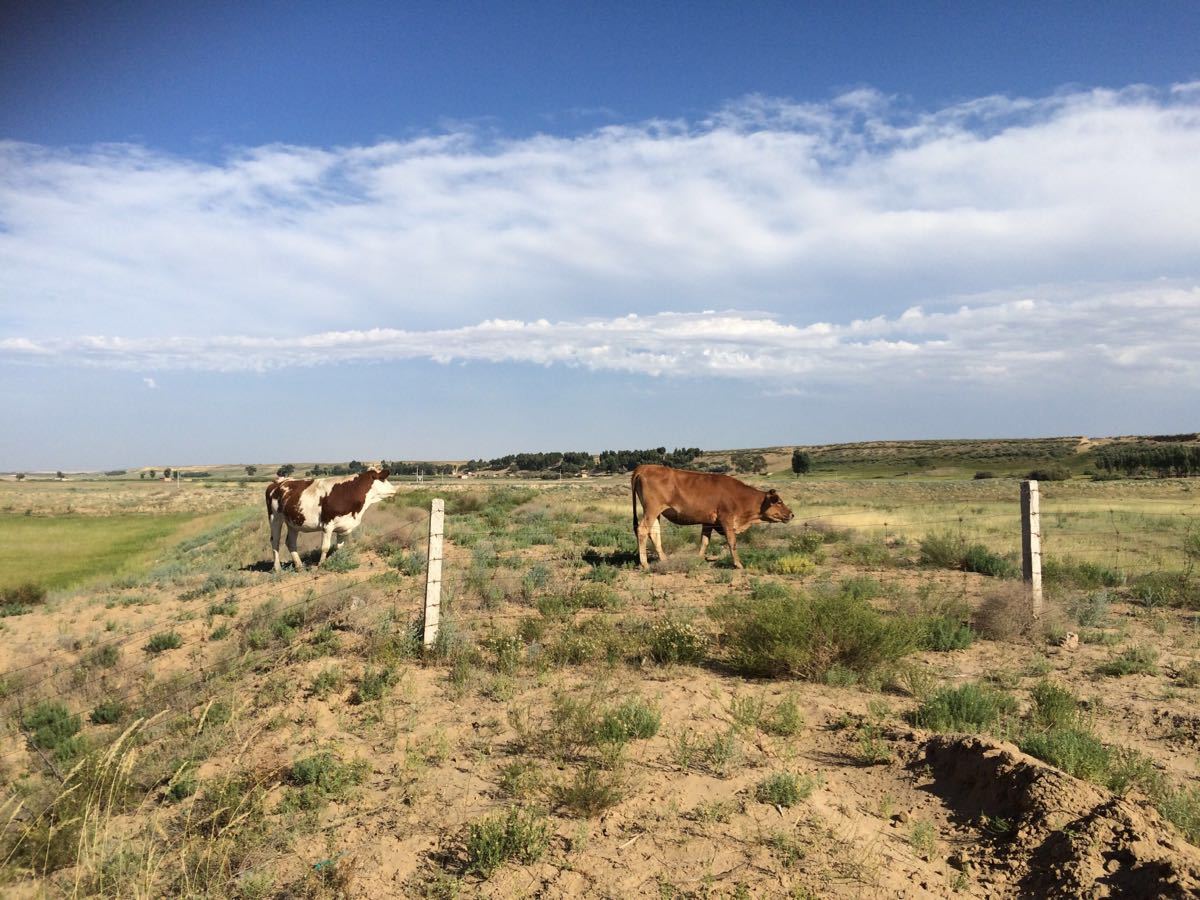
(970, 708)
(326, 681)
(16, 601)
(517, 834)
(1074, 749)
(408, 562)
(979, 559)
(374, 683)
(942, 550)
(784, 789)
(164, 640)
(785, 720)
(676, 642)
(792, 564)
(634, 719)
(107, 712)
(343, 560)
(945, 633)
(105, 657)
(1090, 610)
(1134, 661)
(51, 726)
(593, 790)
(1080, 574)
(979, 476)
(781, 634)
(323, 776)
(1053, 706)
(1050, 473)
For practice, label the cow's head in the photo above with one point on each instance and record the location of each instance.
(380, 488)
(774, 509)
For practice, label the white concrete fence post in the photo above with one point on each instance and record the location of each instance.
(1031, 545)
(433, 571)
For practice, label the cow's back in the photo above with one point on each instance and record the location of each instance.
(693, 494)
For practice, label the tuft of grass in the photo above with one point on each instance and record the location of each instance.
(104, 657)
(163, 641)
(408, 562)
(593, 790)
(785, 719)
(715, 754)
(326, 682)
(1133, 661)
(968, 708)
(521, 835)
(784, 789)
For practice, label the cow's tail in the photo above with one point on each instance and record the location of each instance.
(633, 490)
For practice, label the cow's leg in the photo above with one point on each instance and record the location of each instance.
(731, 539)
(656, 536)
(292, 539)
(705, 533)
(276, 537)
(649, 520)
(326, 540)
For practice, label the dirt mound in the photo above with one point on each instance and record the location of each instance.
(1047, 834)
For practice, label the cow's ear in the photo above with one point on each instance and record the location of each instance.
(384, 474)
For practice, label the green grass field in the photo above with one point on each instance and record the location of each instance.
(68, 550)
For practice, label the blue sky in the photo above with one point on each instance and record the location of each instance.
(314, 231)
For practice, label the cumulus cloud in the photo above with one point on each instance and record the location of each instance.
(1148, 334)
(848, 209)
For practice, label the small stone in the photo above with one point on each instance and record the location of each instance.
(1111, 866)
(1070, 641)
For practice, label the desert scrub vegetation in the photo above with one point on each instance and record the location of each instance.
(1131, 661)
(20, 599)
(323, 776)
(775, 632)
(948, 550)
(516, 835)
(784, 789)
(163, 641)
(52, 727)
(967, 708)
(673, 641)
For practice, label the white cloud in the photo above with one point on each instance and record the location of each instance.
(1149, 334)
(846, 210)
(150, 383)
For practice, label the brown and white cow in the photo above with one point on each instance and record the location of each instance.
(699, 498)
(334, 506)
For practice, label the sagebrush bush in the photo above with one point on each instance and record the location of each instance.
(979, 558)
(164, 640)
(784, 789)
(942, 550)
(518, 834)
(676, 642)
(51, 726)
(944, 633)
(107, 712)
(968, 708)
(1053, 706)
(1080, 574)
(775, 633)
(1133, 661)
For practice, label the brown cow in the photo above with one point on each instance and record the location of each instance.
(699, 498)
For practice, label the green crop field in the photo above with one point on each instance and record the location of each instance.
(68, 550)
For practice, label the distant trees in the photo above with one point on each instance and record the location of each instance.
(60, 476)
(1165, 460)
(285, 470)
(749, 462)
(250, 470)
(801, 462)
(20, 476)
(167, 472)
